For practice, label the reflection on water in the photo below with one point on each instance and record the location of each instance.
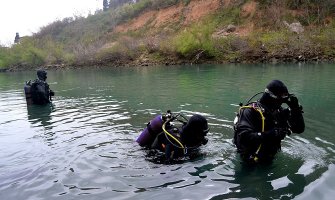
(82, 145)
(40, 114)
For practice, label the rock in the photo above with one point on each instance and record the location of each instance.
(4, 70)
(295, 27)
(230, 28)
(224, 32)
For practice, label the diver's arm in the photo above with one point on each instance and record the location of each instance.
(160, 143)
(169, 152)
(51, 92)
(296, 120)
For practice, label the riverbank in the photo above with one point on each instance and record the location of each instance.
(249, 58)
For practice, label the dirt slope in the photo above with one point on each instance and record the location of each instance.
(194, 11)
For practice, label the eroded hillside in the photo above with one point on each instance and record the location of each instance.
(181, 14)
(170, 32)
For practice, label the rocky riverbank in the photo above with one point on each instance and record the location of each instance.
(248, 58)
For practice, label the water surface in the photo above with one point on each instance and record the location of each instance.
(82, 146)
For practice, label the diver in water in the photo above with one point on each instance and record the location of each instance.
(174, 141)
(38, 91)
(260, 126)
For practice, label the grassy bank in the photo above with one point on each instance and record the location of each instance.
(260, 35)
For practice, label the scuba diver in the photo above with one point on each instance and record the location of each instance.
(260, 126)
(164, 135)
(38, 91)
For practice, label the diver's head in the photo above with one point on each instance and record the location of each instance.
(194, 132)
(42, 74)
(275, 94)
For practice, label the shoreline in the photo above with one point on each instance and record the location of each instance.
(151, 63)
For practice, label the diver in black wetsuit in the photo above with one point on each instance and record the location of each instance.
(174, 141)
(38, 90)
(190, 136)
(260, 126)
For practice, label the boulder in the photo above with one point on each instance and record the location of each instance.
(295, 27)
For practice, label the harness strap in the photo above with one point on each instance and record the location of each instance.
(174, 138)
(263, 126)
(259, 111)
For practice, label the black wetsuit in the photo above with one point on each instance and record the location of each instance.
(41, 92)
(248, 131)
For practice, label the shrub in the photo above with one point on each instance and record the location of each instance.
(271, 40)
(126, 49)
(25, 53)
(326, 39)
(195, 39)
(3, 57)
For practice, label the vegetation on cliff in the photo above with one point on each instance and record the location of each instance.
(148, 32)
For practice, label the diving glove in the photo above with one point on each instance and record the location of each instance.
(293, 102)
(52, 93)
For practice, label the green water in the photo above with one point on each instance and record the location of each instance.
(82, 146)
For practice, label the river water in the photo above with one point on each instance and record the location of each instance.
(82, 146)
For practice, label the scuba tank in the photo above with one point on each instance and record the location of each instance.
(27, 92)
(148, 135)
(158, 125)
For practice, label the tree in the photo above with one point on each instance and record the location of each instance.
(114, 3)
(105, 5)
(118, 3)
(17, 38)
